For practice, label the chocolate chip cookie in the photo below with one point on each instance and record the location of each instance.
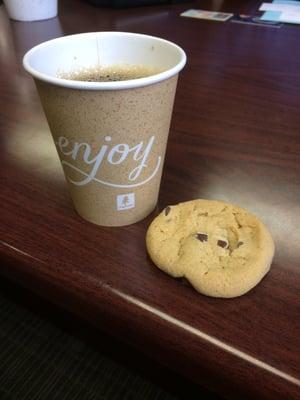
(221, 249)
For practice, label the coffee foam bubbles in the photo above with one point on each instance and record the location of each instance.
(110, 73)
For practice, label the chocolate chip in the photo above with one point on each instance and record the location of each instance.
(222, 243)
(240, 244)
(167, 210)
(202, 237)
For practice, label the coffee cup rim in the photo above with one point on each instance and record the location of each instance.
(116, 85)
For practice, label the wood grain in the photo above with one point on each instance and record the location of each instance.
(234, 136)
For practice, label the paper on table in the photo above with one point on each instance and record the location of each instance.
(209, 15)
(277, 16)
(281, 11)
(271, 16)
(292, 2)
(283, 7)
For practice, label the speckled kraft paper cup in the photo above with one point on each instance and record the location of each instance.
(110, 136)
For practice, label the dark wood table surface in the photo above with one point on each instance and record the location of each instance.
(235, 136)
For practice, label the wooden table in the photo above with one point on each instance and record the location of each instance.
(234, 136)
